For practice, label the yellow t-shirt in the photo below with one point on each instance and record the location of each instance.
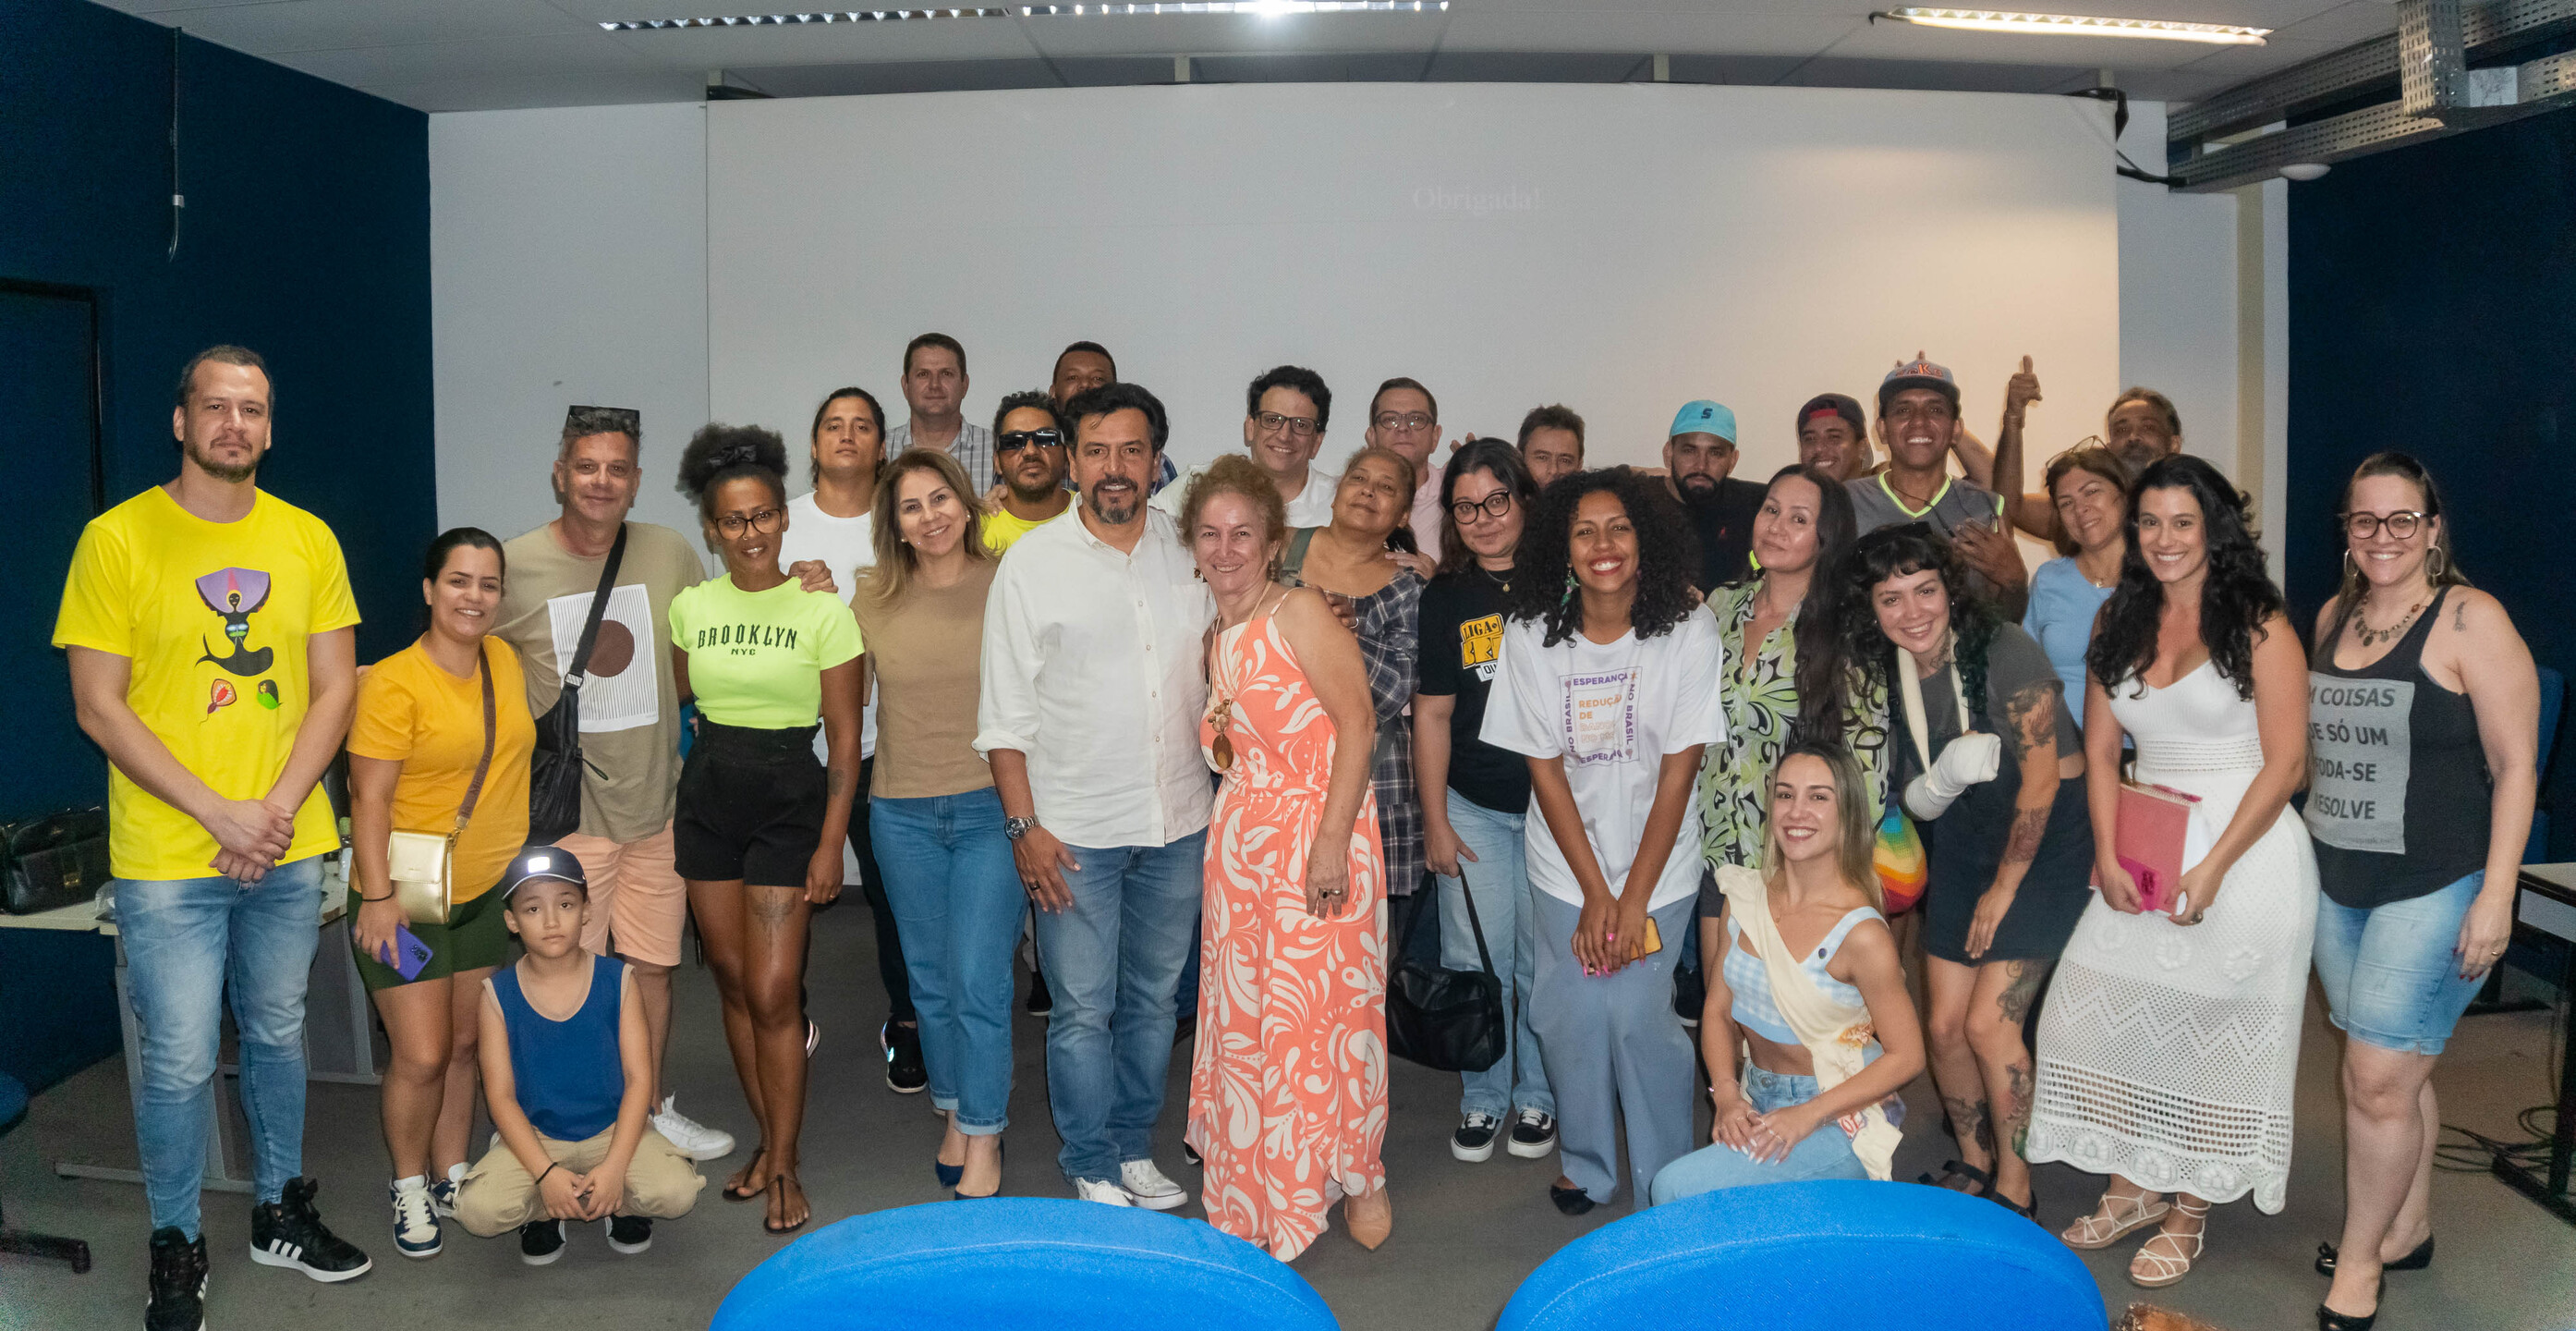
(756, 659)
(411, 711)
(214, 617)
(1001, 529)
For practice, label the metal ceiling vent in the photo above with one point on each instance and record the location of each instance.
(2322, 111)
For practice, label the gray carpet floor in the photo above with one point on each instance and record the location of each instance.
(1465, 1235)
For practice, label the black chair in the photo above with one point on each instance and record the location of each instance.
(13, 1107)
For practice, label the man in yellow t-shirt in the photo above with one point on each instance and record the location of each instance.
(1029, 439)
(210, 632)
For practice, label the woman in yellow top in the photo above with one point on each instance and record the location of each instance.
(759, 829)
(415, 745)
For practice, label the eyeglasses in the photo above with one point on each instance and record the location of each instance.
(1403, 423)
(2401, 525)
(604, 420)
(765, 521)
(1019, 439)
(1496, 504)
(1301, 426)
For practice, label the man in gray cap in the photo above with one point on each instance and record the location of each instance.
(1918, 425)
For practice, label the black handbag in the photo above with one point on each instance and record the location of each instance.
(1449, 1020)
(555, 767)
(54, 861)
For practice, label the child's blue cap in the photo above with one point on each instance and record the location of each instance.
(539, 863)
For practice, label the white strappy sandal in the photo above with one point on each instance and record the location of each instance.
(2116, 1218)
(2155, 1270)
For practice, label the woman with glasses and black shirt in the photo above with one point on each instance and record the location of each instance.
(759, 830)
(1474, 796)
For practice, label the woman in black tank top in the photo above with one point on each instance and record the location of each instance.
(2423, 733)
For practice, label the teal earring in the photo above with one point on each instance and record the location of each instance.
(1571, 587)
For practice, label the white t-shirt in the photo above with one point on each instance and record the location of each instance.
(1612, 713)
(845, 545)
(1313, 506)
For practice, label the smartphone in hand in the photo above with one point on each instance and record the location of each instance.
(407, 955)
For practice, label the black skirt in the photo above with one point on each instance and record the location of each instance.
(1967, 846)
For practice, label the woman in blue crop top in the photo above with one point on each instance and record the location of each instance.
(1810, 1001)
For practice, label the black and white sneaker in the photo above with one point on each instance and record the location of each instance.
(415, 1219)
(1533, 1134)
(541, 1242)
(630, 1234)
(906, 1074)
(1473, 1142)
(288, 1232)
(178, 1282)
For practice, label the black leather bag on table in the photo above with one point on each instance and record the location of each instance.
(1449, 1020)
(555, 768)
(54, 861)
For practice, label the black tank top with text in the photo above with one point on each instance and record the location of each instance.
(2398, 799)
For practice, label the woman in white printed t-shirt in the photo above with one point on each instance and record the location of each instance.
(1609, 684)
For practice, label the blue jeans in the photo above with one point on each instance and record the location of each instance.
(186, 941)
(1823, 1153)
(957, 907)
(1113, 962)
(1500, 880)
(2390, 974)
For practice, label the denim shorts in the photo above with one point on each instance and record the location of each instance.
(2390, 974)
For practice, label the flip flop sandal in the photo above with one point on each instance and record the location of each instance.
(777, 1230)
(732, 1193)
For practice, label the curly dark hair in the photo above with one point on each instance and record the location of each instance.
(1667, 555)
(718, 453)
(1901, 552)
(2236, 594)
(1497, 459)
(1301, 379)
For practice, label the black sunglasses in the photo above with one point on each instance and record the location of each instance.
(1019, 439)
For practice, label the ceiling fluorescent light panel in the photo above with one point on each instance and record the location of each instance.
(2075, 25)
(1258, 8)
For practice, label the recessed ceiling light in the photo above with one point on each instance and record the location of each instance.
(1259, 8)
(2076, 25)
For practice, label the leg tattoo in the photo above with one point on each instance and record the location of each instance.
(2021, 990)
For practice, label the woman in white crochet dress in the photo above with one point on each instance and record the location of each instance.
(2169, 1046)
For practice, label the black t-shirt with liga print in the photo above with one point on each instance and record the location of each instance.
(1462, 645)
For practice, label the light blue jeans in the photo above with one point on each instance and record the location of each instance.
(1823, 1153)
(957, 906)
(186, 941)
(2390, 974)
(1500, 880)
(1617, 1057)
(1113, 964)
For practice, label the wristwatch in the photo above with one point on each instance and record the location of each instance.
(1015, 828)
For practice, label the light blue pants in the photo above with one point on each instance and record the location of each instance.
(1113, 964)
(2390, 974)
(1500, 880)
(957, 906)
(1616, 1055)
(1823, 1153)
(186, 941)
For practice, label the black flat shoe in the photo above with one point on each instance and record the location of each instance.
(2330, 1320)
(1980, 1183)
(2414, 1261)
(1571, 1201)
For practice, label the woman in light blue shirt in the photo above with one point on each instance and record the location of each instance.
(2090, 488)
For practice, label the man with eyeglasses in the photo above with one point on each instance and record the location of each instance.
(1028, 445)
(1406, 418)
(1699, 465)
(934, 386)
(1551, 442)
(1285, 414)
(630, 712)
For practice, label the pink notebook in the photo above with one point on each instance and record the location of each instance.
(2153, 822)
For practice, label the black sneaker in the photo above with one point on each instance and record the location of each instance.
(178, 1282)
(905, 1073)
(288, 1232)
(1533, 1134)
(541, 1241)
(1041, 1003)
(629, 1234)
(1473, 1142)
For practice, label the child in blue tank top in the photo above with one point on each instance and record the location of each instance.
(567, 1073)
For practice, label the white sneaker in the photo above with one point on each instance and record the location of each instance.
(415, 1219)
(689, 1137)
(1100, 1190)
(1145, 1186)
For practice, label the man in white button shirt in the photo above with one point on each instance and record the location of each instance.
(1092, 693)
(1284, 415)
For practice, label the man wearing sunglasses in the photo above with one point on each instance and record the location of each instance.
(1028, 449)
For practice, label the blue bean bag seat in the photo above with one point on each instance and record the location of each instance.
(1832, 1255)
(1042, 1264)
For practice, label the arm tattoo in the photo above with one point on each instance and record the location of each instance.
(838, 782)
(2021, 990)
(2028, 826)
(2031, 718)
(2460, 618)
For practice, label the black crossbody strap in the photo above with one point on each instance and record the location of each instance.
(573, 675)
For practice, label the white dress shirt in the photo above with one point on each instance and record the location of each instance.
(1313, 506)
(1092, 668)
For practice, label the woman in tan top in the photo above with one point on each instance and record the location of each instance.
(932, 809)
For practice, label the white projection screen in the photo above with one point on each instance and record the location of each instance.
(1621, 249)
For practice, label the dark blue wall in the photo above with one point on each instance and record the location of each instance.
(306, 237)
(2433, 309)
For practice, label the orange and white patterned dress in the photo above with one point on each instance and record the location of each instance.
(1288, 1081)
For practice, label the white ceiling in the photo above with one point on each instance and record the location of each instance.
(455, 55)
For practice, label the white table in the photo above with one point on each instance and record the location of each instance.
(339, 1034)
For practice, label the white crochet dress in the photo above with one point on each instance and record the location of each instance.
(2169, 1054)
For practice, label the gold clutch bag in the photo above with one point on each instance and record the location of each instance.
(422, 865)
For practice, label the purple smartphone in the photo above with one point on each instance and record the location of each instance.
(409, 954)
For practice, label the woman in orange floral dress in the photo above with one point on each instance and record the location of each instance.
(1288, 1084)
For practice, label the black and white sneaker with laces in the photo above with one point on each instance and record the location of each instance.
(630, 1234)
(906, 1074)
(288, 1232)
(541, 1241)
(1474, 1140)
(178, 1282)
(1533, 1134)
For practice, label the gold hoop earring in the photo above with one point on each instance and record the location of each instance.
(2437, 562)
